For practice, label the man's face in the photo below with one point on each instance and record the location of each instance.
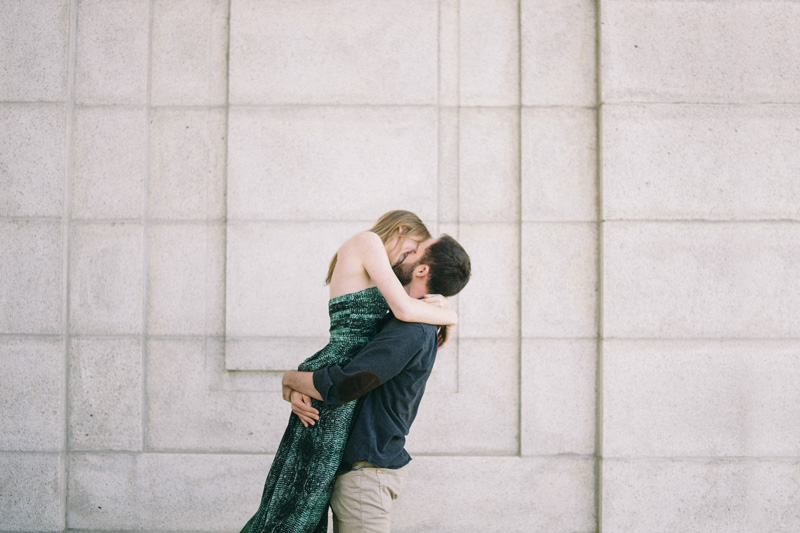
(405, 270)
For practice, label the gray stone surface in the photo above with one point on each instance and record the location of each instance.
(489, 59)
(111, 53)
(482, 416)
(559, 164)
(357, 52)
(33, 50)
(123, 213)
(449, 52)
(311, 163)
(105, 394)
(667, 51)
(186, 280)
(558, 52)
(275, 274)
(110, 163)
(187, 164)
(164, 492)
(708, 496)
(444, 376)
(701, 280)
(32, 394)
(32, 163)
(495, 494)
(270, 353)
(701, 162)
(449, 167)
(701, 398)
(558, 396)
(559, 279)
(31, 277)
(31, 492)
(488, 185)
(106, 291)
(489, 306)
(189, 57)
(190, 409)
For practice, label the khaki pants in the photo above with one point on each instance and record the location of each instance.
(362, 498)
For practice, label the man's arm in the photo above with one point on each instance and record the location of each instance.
(302, 382)
(379, 361)
(298, 389)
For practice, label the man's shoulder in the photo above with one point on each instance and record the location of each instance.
(418, 330)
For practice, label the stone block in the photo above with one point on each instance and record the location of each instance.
(311, 163)
(31, 277)
(494, 494)
(106, 275)
(276, 354)
(700, 51)
(187, 164)
(358, 52)
(444, 376)
(558, 52)
(482, 415)
(33, 50)
(275, 274)
(32, 394)
(559, 164)
(488, 187)
(559, 279)
(449, 60)
(449, 165)
(32, 159)
(190, 47)
(186, 280)
(110, 158)
(701, 398)
(489, 53)
(105, 394)
(31, 492)
(164, 492)
(558, 396)
(194, 404)
(708, 496)
(701, 162)
(701, 280)
(112, 50)
(489, 305)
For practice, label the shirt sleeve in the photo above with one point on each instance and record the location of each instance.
(385, 356)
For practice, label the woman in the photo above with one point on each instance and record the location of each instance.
(362, 286)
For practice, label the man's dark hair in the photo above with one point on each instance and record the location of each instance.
(449, 264)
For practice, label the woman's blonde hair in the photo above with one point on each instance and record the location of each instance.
(388, 226)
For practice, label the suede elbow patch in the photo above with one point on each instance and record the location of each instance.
(357, 385)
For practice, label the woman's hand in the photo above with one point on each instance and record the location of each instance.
(301, 406)
(436, 299)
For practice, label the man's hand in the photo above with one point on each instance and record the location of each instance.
(301, 406)
(287, 391)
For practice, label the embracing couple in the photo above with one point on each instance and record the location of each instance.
(388, 316)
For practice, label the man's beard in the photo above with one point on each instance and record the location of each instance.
(405, 272)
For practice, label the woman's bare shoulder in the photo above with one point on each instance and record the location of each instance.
(360, 241)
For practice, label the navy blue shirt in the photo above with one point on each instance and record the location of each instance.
(393, 368)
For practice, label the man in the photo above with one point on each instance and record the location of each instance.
(389, 375)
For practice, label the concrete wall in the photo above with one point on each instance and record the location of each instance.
(175, 175)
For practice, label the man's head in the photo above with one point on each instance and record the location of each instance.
(439, 266)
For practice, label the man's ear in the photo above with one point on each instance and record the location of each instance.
(422, 271)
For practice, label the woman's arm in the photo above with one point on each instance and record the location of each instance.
(405, 308)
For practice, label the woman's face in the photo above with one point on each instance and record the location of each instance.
(399, 246)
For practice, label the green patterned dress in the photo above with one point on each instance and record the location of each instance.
(300, 481)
